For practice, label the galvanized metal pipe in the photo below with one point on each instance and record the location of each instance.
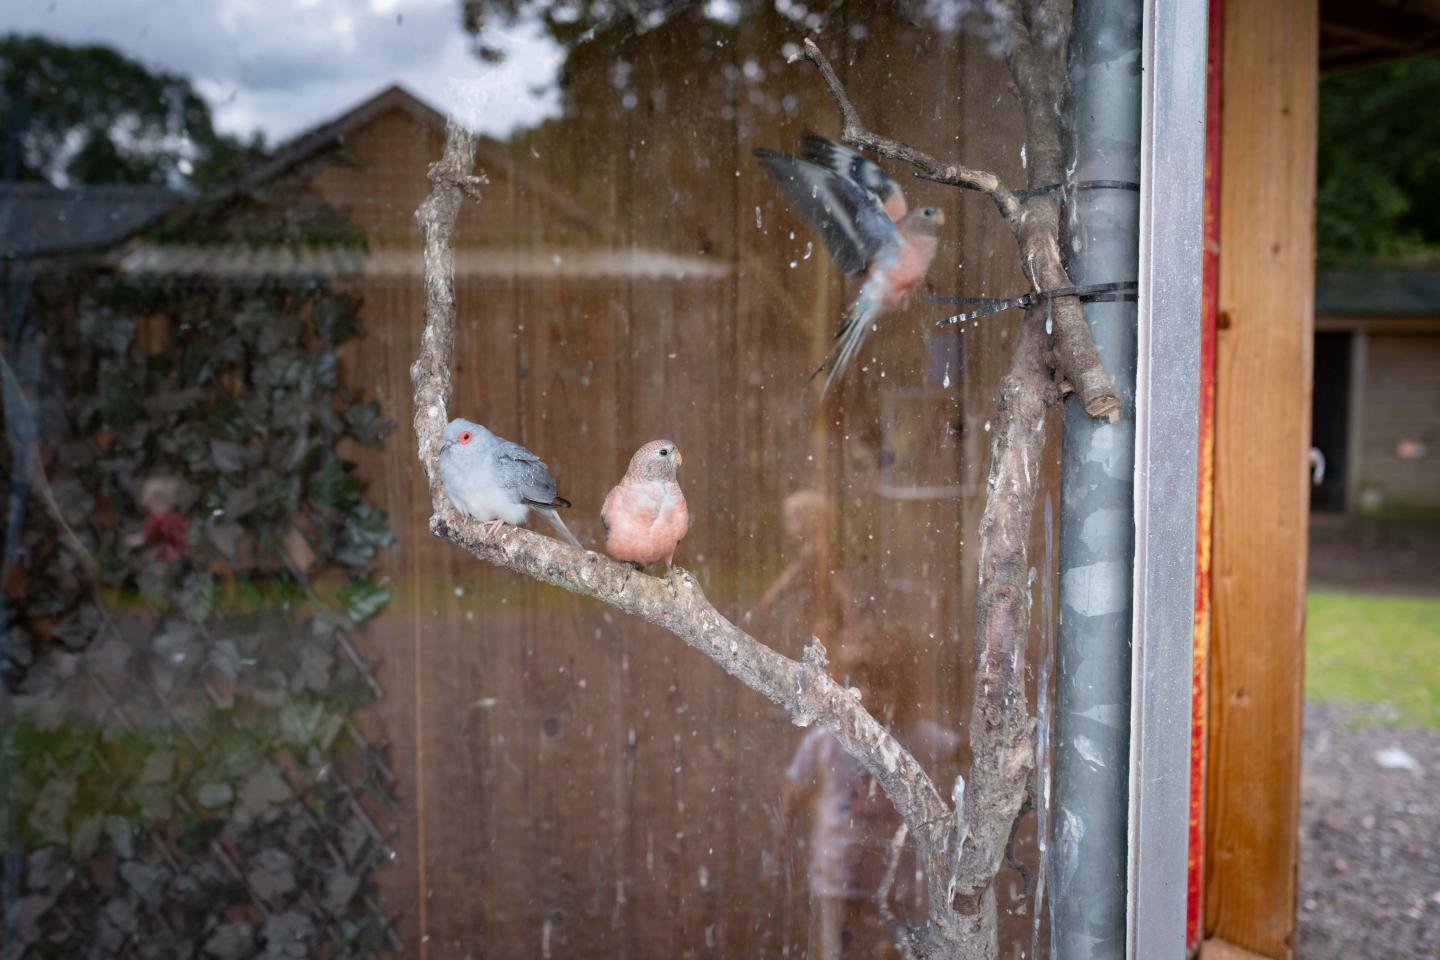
(1092, 678)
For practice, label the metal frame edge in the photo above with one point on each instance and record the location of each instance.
(1172, 161)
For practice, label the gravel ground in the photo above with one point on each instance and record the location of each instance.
(1370, 840)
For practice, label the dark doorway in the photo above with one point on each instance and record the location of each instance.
(1330, 417)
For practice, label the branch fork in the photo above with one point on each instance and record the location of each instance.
(1034, 219)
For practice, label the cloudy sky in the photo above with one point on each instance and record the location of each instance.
(282, 66)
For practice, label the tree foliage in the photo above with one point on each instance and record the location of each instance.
(89, 114)
(1379, 161)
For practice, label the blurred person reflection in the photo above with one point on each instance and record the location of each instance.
(852, 821)
(809, 578)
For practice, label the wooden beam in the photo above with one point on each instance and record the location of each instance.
(1262, 435)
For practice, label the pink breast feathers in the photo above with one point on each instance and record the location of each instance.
(644, 521)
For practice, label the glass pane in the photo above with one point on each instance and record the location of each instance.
(254, 708)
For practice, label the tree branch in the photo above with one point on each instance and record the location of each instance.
(1034, 221)
(962, 901)
(855, 133)
(676, 603)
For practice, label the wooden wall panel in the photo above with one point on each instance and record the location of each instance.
(1267, 210)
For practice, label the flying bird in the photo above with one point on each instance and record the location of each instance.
(492, 479)
(645, 515)
(868, 228)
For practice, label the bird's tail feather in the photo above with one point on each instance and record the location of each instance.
(561, 529)
(847, 343)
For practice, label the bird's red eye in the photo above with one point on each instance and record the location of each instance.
(464, 436)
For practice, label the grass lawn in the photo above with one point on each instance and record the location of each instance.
(1384, 651)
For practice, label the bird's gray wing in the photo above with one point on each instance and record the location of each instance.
(852, 222)
(855, 167)
(522, 471)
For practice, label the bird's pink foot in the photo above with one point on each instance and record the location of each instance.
(491, 527)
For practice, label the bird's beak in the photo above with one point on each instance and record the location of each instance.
(445, 445)
(678, 459)
(940, 217)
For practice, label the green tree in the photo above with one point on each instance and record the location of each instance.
(89, 114)
(1379, 161)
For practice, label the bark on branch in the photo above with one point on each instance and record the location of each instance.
(676, 603)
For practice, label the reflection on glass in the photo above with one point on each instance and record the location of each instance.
(253, 708)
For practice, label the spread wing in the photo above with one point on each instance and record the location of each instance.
(522, 471)
(860, 169)
(852, 222)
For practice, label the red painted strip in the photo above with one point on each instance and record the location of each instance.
(1205, 500)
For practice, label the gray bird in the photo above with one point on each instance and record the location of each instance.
(492, 479)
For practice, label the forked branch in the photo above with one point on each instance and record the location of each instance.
(1035, 220)
(802, 688)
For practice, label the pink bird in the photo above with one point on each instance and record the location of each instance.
(645, 514)
(867, 227)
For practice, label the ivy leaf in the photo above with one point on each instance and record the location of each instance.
(334, 319)
(122, 835)
(365, 424)
(48, 813)
(271, 874)
(287, 935)
(227, 457)
(78, 628)
(333, 486)
(159, 767)
(362, 599)
(340, 888)
(121, 912)
(231, 941)
(197, 596)
(314, 672)
(365, 532)
(224, 659)
(146, 879)
(264, 787)
(19, 647)
(214, 794)
(85, 838)
(177, 647)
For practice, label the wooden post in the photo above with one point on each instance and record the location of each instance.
(1262, 432)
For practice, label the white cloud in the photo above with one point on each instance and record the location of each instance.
(283, 66)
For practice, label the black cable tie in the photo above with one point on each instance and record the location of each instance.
(1119, 291)
(1078, 185)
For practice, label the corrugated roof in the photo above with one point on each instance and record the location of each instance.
(1378, 292)
(37, 219)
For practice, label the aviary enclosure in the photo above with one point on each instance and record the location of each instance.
(469, 762)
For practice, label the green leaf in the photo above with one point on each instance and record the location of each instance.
(362, 599)
(146, 879)
(334, 319)
(366, 531)
(263, 788)
(333, 486)
(228, 457)
(365, 424)
(159, 767)
(79, 627)
(271, 874)
(214, 794)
